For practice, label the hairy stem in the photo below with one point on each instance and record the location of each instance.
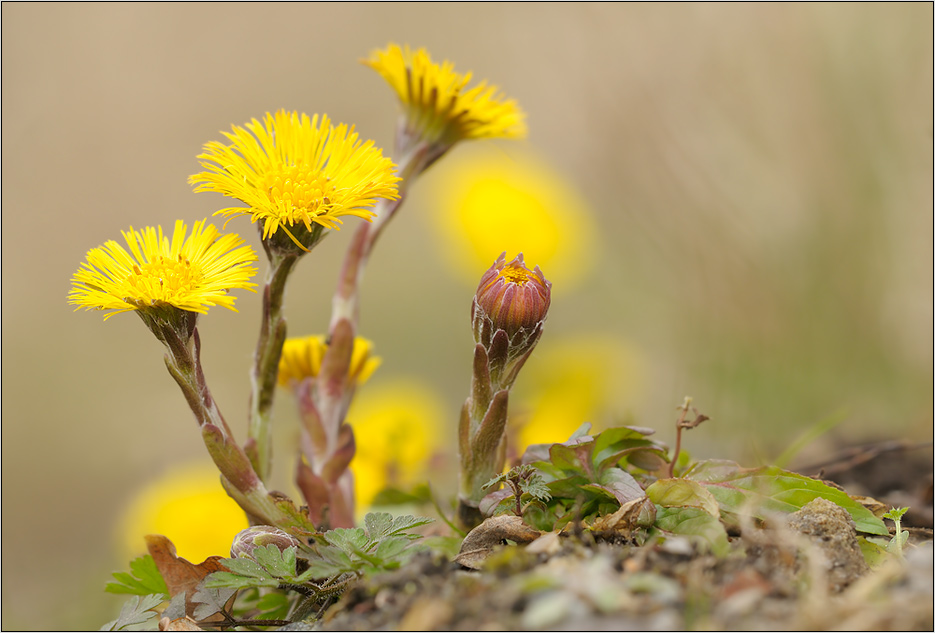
(266, 362)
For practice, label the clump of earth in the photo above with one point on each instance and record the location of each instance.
(804, 573)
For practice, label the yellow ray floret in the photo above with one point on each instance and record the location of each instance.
(191, 273)
(292, 170)
(438, 103)
(301, 359)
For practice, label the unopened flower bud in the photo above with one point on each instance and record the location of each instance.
(512, 297)
(251, 538)
(507, 315)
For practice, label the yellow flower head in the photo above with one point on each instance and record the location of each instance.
(301, 359)
(189, 273)
(396, 425)
(291, 170)
(189, 506)
(436, 103)
(488, 202)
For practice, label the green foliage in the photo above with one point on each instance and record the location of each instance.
(269, 567)
(384, 543)
(589, 476)
(760, 491)
(697, 525)
(895, 546)
(144, 579)
(525, 486)
(136, 611)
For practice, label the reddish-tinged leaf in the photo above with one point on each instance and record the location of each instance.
(180, 575)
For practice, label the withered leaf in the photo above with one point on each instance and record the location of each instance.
(181, 575)
(480, 541)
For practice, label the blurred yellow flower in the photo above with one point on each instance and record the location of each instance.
(187, 505)
(437, 106)
(291, 170)
(485, 202)
(301, 359)
(396, 425)
(189, 273)
(571, 381)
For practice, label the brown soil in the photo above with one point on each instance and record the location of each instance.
(807, 573)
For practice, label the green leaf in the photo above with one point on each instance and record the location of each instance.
(696, 524)
(339, 558)
(144, 579)
(245, 567)
(895, 514)
(378, 524)
(760, 491)
(347, 539)
(683, 493)
(572, 459)
(279, 563)
(274, 606)
(621, 485)
(898, 542)
(391, 547)
(136, 610)
(874, 550)
(325, 569)
(407, 522)
(221, 579)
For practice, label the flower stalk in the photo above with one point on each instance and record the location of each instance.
(238, 476)
(508, 313)
(266, 361)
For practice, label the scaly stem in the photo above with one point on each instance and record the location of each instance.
(237, 473)
(346, 302)
(266, 362)
(323, 480)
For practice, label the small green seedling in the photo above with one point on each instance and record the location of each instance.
(895, 546)
(526, 487)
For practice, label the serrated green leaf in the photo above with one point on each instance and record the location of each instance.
(391, 547)
(221, 579)
(895, 514)
(407, 522)
(378, 524)
(145, 579)
(279, 563)
(695, 524)
(683, 493)
(769, 489)
(245, 567)
(136, 610)
(347, 539)
(325, 569)
(337, 557)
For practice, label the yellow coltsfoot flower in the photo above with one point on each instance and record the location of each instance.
(189, 273)
(296, 173)
(437, 105)
(302, 358)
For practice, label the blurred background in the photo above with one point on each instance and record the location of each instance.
(734, 202)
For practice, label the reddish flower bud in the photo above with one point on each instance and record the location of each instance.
(512, 296)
